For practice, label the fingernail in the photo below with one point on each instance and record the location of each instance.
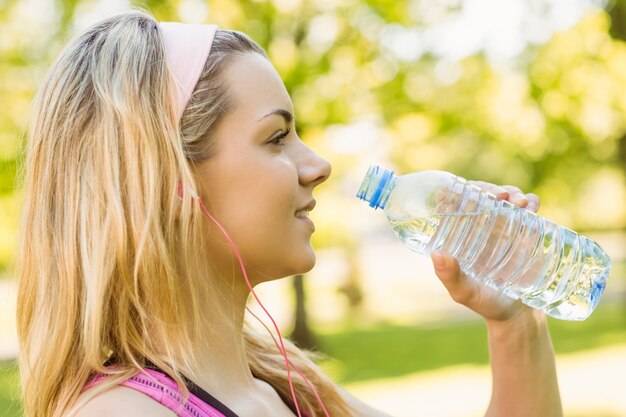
(438, 259)
(518, 198)
(501, 193)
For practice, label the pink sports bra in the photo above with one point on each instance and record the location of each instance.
(161, 388)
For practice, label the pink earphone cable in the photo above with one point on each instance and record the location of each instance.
(306, 380)
(281, 348)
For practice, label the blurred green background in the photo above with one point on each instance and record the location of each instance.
(531, 93)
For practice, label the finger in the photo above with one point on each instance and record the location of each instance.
(510, 193)
(498, 191)
(450, 274)
(533, 202)
(516, 196)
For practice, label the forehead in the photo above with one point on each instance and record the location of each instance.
(255, 87)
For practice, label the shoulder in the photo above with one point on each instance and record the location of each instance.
(121, 401)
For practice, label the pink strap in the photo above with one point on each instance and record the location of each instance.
(165, 391)
(187, 47)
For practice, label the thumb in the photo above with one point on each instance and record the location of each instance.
(449, 272)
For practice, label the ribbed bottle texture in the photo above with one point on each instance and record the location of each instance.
(513, 250)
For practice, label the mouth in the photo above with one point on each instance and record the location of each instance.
(303, 213)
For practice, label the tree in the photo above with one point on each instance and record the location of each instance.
(617, 12)
(302, 334)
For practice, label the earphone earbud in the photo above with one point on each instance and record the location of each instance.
(182, 190)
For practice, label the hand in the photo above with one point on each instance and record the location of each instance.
(486, 301)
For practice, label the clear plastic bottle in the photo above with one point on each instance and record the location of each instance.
(521, 254)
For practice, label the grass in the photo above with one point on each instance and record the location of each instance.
(388, 351)
(9, 406)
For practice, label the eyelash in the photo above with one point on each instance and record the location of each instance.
(277, 140)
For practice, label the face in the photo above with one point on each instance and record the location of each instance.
(259, 181)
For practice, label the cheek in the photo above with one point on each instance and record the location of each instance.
(250, 189)
(258, 213)
(272, 240)
(260, 203)
(256, 206)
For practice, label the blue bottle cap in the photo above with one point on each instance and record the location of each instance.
(374, 184)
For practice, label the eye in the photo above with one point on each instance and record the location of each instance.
(278, 139)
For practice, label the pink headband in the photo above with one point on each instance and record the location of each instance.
(187, 47)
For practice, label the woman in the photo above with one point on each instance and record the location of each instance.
(164, 179)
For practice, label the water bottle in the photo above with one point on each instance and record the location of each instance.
(511, 249)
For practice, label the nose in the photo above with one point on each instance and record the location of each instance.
(312, 168)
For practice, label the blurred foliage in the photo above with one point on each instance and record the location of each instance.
(368, 87)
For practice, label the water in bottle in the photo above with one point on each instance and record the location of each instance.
(511, 249)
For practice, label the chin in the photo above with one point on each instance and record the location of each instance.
(310, 262)
(307, 267)
(299, 266)
(304, 264)
(287, 266)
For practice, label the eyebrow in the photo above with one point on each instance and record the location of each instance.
(280, 112)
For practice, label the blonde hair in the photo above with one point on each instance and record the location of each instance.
(106, 253)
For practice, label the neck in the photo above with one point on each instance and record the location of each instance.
(221, 361)
(221, 364)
